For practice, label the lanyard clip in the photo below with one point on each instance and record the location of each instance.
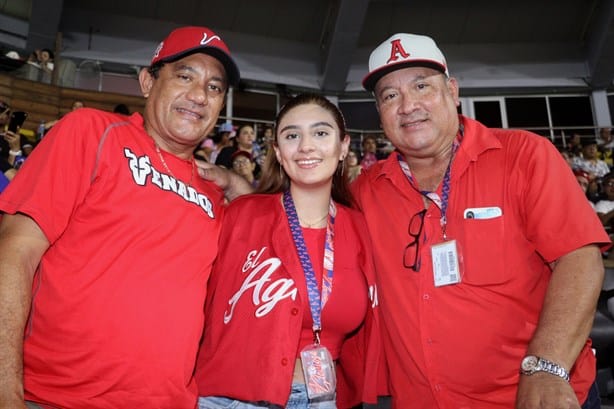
(316, 336)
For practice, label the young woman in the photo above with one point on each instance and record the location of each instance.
(369, 148)
(292, 296)
(354, 169)
(244, 141)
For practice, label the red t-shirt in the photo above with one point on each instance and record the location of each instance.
(460, 346)
(118, 297)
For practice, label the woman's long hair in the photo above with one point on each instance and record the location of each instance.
(275, 180)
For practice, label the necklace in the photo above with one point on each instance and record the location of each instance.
(313, 224)
(169, 171)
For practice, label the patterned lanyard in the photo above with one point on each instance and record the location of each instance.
(316, 301)
(440, 202)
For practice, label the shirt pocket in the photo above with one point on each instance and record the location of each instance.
(482, 251)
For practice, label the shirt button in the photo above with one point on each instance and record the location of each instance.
(429, 341)
(284, 361)
(294, 311)
(426, 297)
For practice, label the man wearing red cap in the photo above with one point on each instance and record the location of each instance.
(488, 287)
(107, 240)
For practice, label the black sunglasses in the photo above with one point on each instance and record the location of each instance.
(411, 255)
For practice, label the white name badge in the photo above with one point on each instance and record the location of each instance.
(446, 268)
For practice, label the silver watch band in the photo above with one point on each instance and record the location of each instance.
(531, 364)
(552, 368)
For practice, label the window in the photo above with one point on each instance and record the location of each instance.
(575, 111)
(360, 114)
(531, 112)
(488, 113)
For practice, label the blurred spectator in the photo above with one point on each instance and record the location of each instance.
(267, 136)
(605, 144)
(369, 151)
(605, 207)
(6, 169)
(262, 144)
(605, 138)
(15, 155)
(568, 156)
(5, 113)
(583, 180)
(75, 105)
(243, 165)
(210, 148)
(575, 145)
(354, 167)
(243, 141)
(42, 59)
(10, 149)
(590, 163)
(26, 148)
(258, 153)
(121, 109)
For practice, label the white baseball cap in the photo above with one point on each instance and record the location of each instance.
(401, 51)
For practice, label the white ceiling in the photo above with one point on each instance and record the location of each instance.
(489, 44)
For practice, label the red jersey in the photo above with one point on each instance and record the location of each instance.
(256, 307)
(460, 346)
(118, 297)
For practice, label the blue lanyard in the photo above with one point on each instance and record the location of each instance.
(316, 301)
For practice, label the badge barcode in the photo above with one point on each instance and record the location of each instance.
(452, 264)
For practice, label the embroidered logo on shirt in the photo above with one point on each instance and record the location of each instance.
(141, 169)
(266, 293)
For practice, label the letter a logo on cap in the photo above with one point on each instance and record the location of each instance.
(397, 48)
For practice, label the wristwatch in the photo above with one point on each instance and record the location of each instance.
(531, 364)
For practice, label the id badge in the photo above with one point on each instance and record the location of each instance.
(446, 267)
(319, 372)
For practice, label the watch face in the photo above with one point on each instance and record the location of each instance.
(529, 363)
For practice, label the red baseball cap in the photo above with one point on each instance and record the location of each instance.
(189, 40)
(241, 153)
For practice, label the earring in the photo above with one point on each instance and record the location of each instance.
(342, 167)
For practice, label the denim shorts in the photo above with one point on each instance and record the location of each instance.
(297, 400)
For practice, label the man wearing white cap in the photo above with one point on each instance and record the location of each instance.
(487, 286)
(107, 241)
